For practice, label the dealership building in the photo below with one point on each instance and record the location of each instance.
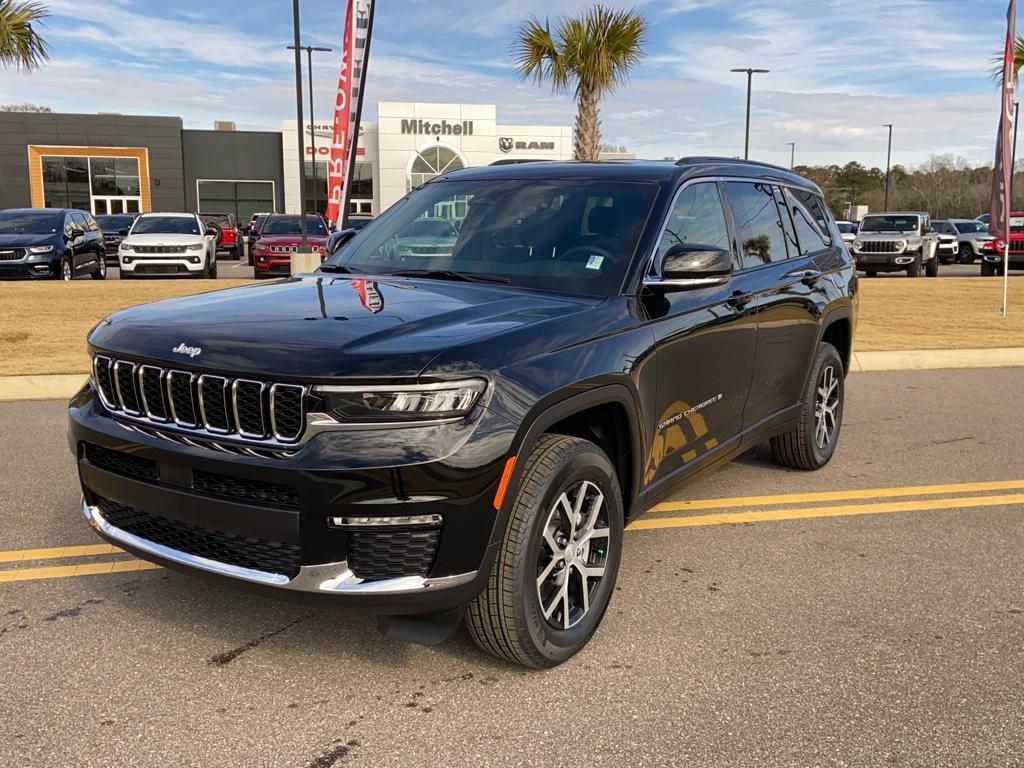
(112, 163)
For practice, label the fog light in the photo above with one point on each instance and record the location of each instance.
(261, 260)
(41, 268)
(194, 259)
(126, 260)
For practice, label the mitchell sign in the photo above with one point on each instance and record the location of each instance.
(443, 128)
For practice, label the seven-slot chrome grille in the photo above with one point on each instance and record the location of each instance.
(245, 408)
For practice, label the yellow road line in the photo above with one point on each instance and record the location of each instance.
(799, 513)
(83, 569)
(848, 495)
(52, 553)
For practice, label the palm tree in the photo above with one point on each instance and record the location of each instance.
(592, 52)
(21, 46)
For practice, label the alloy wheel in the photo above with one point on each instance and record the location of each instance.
(103, 267)
(65, 270)
(573, 554)
(826, 406)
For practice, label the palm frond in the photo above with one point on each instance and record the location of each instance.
(21, 45)
(602, 44)
(1018, 61)
(538, 56)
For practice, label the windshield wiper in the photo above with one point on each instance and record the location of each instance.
(451, 274)
(337, 268)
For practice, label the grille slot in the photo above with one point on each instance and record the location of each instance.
(247, 397)
(240, 489)
(151, 387)
(213, 403)
(878, 246)
(179, 391)
(233, 549)
(102, 373)
(124, 384)
(175, 249)
(121, 463)
(12, 255)
(389, 554)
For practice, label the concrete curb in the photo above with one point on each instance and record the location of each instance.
(63, 386)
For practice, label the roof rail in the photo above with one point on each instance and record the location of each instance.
(735, 160)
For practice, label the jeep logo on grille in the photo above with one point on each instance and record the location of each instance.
(184, 349)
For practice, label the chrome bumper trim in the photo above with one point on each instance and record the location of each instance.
(330, 578)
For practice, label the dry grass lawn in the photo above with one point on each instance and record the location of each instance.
(43, 325)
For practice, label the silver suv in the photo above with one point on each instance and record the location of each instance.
(896, 242)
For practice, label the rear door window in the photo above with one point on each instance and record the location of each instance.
(758, 223)
(810, 219)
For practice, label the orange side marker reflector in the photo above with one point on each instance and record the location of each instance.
(506, 475)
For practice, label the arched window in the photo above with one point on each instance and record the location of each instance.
(432, 161)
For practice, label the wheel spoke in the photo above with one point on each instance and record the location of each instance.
(555, 600)
(595, 510)
(549, 539)
(584, 589)
(547, 571)
(566, 605)
(598, 533)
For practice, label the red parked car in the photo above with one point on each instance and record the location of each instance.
(279, 238)
(229, 240)
(992, 260)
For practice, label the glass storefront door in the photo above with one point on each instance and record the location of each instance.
(104, 205)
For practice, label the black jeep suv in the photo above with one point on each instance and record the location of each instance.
(467, 425)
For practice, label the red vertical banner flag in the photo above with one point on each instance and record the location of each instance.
(1002, 171)
(348, 103)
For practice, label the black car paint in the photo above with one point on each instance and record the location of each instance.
(687, 380)
(84, 250)
(112, 232)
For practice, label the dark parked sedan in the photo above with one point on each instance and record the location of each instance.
(50, 243)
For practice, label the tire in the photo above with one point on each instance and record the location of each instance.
(100, 273)
(66, 272)
(966, 255)
(931, 269)
(236, 254)
(508, 618)
(914, 270)
(213, 267)
(803, 446)
(988, 269)
(870, 273)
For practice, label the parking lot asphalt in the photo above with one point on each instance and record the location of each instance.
(868, 614)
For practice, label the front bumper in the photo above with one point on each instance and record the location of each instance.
(141, 264)
(286, 545)
(885, 262)
(278, 266)
(37, 268)
(996, 257)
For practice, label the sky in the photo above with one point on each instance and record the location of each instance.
(839, 70)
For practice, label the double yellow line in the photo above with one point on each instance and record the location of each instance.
(678, 514)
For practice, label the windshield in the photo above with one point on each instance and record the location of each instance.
(573, 236)
(289, 225)
(889, 223)
(846, 228)
(114, 223)
(969, 227)
(165, 225)
(1017, 223)
(944, 227)
(31, 223)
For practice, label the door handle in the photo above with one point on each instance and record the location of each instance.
(805, 276)
(738, 299)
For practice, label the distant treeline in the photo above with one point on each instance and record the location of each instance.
(945, 186)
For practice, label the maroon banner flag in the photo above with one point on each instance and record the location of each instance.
(1002, 171)
(348, 104)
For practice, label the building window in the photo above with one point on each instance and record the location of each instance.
(360, 187)
(95, 184)
(432, 161)
(242, 198)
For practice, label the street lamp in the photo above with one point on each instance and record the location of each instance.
(792, 154)
(750, 76)
(312, 123)
(298, 133)
(888, 164)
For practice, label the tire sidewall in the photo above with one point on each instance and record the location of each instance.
(827, 355)
(554, 645)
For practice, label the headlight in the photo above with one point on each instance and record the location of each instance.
(124, 246)
(41, 249)
(857, 244)
(194, 247)
(401, 402)
(901, 244)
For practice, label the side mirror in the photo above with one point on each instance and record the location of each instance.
(212, 232)
(337, 239)
(691, 265)
(122, 233)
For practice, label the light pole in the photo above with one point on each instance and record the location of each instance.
(792, 154)
(888, 165)
(299, 130)
(750, 76)
(312, 123)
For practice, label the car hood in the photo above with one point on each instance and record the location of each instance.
(886, 235)
(162, 239)
(24, 241)
(320, 326)
(291, 239)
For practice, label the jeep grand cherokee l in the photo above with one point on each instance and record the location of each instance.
(469, 432)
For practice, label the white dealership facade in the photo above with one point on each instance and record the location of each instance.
(412, 142)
